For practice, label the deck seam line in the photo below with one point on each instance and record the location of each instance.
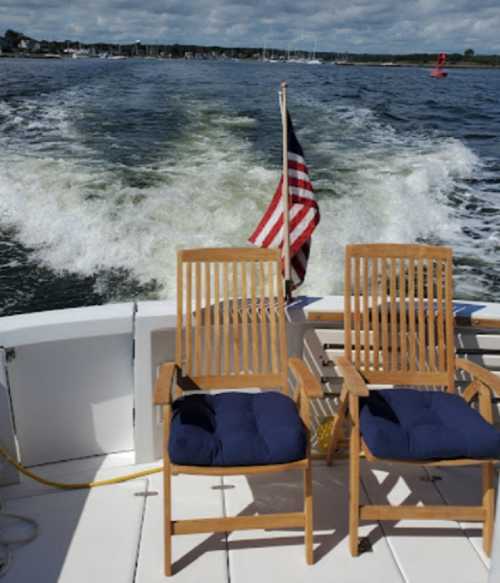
(460, 524)
(226, 534)
(387, 539)
(141, 528)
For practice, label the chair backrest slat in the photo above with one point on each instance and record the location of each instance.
(208, 320)
(255, 316)
(231, 328)
(272, 320)
(384, 315)
(244, 319)
(264, 326)
(226, 312)
(198, 320)
(189, 325)
(412, 328)
(399, 313)
(440, 318)
(217, 319)
(374, 314)
(403, 339)
(357, 321)
(421, 312)
(431, 324)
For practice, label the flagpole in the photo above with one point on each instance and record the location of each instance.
(286, 210)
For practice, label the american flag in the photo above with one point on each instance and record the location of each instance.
(303, 209)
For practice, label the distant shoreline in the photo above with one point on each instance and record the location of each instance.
(16, 44)
(399, 64)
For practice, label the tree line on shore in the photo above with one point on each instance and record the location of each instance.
(15, 43)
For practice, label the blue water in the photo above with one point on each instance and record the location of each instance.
(107, 167)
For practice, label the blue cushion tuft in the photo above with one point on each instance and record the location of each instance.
(410, 424)
(236, 429)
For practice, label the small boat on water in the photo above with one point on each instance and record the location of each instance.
(438, 72)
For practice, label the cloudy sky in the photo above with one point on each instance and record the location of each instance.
(384, 26)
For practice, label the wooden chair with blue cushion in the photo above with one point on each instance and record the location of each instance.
(231, 334)
(399, 330)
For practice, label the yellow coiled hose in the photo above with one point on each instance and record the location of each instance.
(76, 486)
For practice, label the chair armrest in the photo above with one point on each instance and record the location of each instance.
(163, 386)
(481, 374)
(308, 383)
(353, 381)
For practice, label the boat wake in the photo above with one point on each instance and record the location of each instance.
(81, 211)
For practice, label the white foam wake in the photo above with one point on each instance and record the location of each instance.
(83, 219)
(212, 188)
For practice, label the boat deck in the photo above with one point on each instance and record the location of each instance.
(114, 533)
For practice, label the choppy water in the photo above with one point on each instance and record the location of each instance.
(106, 167)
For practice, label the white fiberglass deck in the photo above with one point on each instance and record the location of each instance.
(114, 533)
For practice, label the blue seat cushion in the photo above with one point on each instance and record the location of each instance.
(409, 424)
(236, 429)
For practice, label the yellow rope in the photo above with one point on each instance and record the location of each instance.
(76, 486)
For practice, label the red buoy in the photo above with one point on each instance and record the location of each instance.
(438, 71)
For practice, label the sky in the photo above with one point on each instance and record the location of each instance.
(375, 26)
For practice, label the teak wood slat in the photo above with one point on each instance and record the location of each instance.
(366, 315)
(236, 325)
(430, 320)
(231, 334)
(385, 316)
(356, 316)
(421, 312)
(217, 317)
(255, 339)
(208, 320)
(394, 317)
(402, 314)
(189, 324)
(264, 332)
(440, 318)
(347, 302)
(374, 313)
(202, 525)
(374, 512)
(227, 344)
(180, 304)
(272, 320)
(198, 320)
(411, 308)
(244, 319)
(412, 329)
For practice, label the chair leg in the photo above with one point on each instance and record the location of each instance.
(354, 457)
(167, 517)
(337, 426)
(489, 506)
(308, 511)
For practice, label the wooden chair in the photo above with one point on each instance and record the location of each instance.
(398, 324)
(231, 335)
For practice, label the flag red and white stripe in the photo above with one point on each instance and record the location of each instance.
(303, 212)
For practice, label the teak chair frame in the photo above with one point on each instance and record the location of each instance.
(239, 293)
(399, 329)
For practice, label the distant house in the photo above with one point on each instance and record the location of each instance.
(26, 43)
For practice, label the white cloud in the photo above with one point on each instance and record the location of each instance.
(357, 25)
